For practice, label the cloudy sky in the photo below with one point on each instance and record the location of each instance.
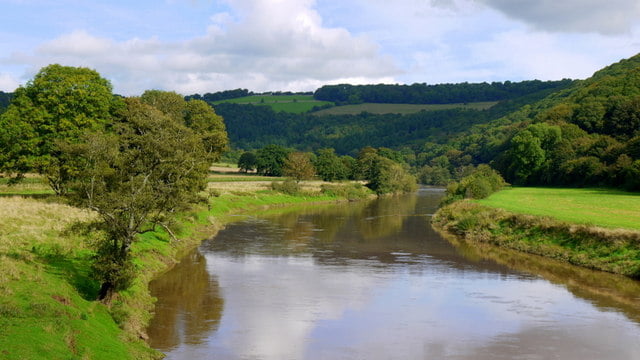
(198, 46)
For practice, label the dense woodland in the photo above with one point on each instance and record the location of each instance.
(433, 94)
(253, 127)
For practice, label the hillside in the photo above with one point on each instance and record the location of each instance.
(586, 134)
(250, 126)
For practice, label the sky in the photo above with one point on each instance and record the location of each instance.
(200, 46)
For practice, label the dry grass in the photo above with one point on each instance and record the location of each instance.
(312, 186)
(28, 223)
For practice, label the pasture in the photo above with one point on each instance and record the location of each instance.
(591, 206)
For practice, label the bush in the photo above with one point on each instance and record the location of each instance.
(483, 182)
(351, 191)
(288, 187)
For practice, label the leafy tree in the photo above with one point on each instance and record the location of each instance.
(248, 161)
(135, 178)
(195, 114)
(482, 182)
(527, 155)
(298, 166)
(271, 159)
(329, 166)
(387, 176)
(51, 110)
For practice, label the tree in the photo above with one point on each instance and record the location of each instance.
(247, 161)
(526, 155)
(135, 178)
(51, 110)
(270, 160)
(387, 176)
(298, 166)
(329, 166)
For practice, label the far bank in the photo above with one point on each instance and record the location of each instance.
(593, 228)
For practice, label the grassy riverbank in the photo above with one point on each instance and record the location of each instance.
(585, 227)
(47, 306)
(600, 207)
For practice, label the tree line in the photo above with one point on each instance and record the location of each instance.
(382, 168)
(434, 94)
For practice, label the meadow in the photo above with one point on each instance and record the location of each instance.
(296, 104)
(376, 108)
(590, 206)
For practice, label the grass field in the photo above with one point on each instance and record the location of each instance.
(375, 108)
(296, 104)
(601, 207)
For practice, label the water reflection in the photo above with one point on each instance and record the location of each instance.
(189, 304)
(373, 280)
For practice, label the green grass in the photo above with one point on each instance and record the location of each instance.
(376, 108)
(296, 104)
(601, 207)
(47, 297)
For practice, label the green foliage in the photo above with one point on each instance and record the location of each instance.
(270, 160)
(350, 191)
(49, 112)
(196, 115)
(150, 167)
(298, 166)
(386, 176)
(481, 183)
(329, 166)
(616, 251)
(288, 187)
(432, 94)
(248, 161)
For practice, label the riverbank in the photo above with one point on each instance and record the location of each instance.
(612, 250)
(47, 297)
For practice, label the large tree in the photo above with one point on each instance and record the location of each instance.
(271, 159)
(49, 112)
(135, 177)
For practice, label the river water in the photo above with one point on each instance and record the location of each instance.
(373, 280)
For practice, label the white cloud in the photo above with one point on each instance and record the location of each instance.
(604, 17)
(8, 83)
(263, 46)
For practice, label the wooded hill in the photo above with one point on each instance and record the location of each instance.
(253, 127)
(586, 134)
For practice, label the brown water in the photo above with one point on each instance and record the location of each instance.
(372, 280)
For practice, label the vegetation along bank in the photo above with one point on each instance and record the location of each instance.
(583, 227)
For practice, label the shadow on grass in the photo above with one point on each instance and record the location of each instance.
(77, 272)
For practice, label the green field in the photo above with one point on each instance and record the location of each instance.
(376, 108)
(601, 207)
(296, 104)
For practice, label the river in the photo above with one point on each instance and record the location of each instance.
(373, 280)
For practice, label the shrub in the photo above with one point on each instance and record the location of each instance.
(483, 182)
(288, 187)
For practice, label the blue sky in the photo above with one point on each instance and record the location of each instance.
(198, 46)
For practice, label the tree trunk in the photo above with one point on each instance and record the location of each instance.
(106, 292)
